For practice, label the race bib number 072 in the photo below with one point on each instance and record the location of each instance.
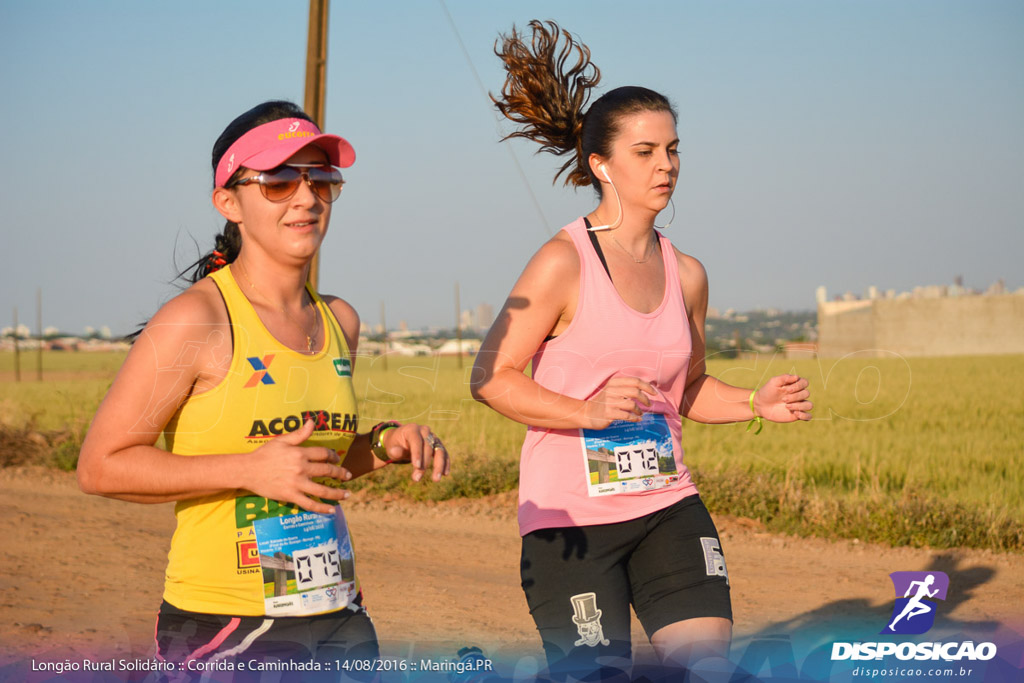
(629, 456)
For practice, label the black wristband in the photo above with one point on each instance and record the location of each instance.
(377, 439)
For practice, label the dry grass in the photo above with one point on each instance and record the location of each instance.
(921, 452)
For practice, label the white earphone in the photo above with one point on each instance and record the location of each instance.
(611, 226)
(604, 171)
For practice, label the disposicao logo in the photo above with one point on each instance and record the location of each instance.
(915, 607)
(913, 614)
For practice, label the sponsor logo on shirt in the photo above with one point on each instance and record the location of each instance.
(324, 421)
(262, 374)
(248, 554)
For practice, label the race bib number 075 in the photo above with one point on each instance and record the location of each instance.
(307, 562)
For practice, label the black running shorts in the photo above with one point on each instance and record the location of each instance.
(580, 581)
(222, 647)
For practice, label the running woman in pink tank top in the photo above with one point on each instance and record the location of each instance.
(611, 316)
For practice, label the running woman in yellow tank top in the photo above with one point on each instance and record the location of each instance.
(248, 375)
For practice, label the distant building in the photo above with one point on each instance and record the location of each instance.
(478, 319)
(924, 323)
(998, 287)
(102, 345)
(484, 316)
(799, 350)
(454, 347)
(403, 348)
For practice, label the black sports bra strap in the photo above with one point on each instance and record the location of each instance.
(597, 246)
(600, 254)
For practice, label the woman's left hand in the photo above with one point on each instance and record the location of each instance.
(417, 445)
(783, 399)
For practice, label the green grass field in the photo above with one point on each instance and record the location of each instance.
(922, 452)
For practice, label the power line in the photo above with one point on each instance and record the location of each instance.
(483, 91)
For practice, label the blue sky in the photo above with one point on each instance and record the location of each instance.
(843, 144)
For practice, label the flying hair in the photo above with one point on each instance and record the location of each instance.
(547, 86)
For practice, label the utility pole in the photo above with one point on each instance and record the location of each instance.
(458, 326)
(384, 325)
(316, 86)
(17, 357)
(39, 329)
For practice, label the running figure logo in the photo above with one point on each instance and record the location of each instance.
(914, 612)
(587, 618)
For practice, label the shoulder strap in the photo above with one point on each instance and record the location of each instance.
(597, 246)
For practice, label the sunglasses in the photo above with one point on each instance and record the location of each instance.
(281, 183)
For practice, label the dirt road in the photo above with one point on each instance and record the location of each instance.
(83, 576)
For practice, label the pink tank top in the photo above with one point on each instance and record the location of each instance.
(575, 477)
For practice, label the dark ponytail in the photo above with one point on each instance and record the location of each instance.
(226, 246)
(546, 89)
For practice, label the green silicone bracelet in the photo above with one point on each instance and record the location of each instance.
(757, 418)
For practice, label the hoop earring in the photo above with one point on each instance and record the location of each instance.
(618, 220)
(667, 225)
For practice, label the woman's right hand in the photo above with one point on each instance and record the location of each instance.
(282, 469)
(618, 399)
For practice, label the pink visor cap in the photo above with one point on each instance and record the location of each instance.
(268, 146)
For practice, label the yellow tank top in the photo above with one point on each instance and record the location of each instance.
(235, 552)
